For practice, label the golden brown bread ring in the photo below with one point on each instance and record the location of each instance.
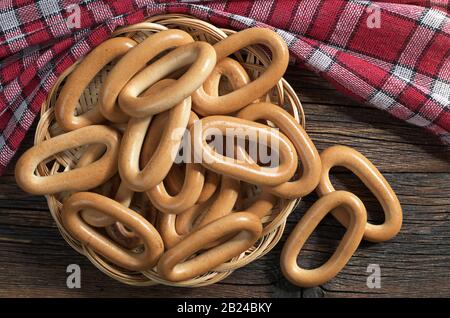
(175, 264)
(130, 64)
(81, 179)
(374, 180)
(356, 211)
(81, 77)
(152, 241)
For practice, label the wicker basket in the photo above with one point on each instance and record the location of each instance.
(254, 59)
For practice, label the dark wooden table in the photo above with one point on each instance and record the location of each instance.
(33, 256)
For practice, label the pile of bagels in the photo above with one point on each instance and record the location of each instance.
(165, 94)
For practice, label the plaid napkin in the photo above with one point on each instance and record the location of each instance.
(393, 55)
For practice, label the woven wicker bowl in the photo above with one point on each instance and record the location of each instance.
(255, 60)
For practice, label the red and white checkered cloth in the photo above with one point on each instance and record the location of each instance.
(402, 67)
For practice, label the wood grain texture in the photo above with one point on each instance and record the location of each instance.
(33, 256)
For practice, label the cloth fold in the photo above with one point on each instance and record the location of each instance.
(393, 55)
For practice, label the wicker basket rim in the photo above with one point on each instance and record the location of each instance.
(263, 246)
